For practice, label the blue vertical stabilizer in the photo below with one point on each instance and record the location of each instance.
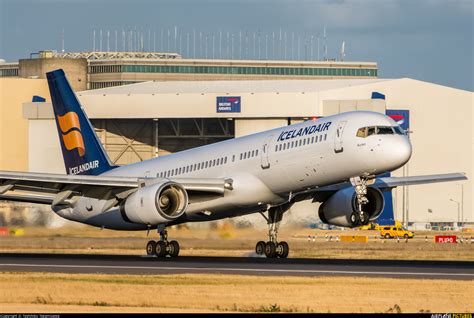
(82, 151)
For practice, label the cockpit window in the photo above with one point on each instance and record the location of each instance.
(399, 130)
(371, 131)
(362, 132)
(385, 131)
(379, 130)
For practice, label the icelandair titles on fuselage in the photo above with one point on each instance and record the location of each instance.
(84, 167)
(304, 131)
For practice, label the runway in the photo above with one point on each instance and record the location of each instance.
(134, 265)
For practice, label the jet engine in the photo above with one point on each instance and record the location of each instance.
(155, 204)
(341, 208)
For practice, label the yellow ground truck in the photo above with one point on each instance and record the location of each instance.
(397, 230)
(371, 226)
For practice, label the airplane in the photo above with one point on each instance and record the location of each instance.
(337, 160)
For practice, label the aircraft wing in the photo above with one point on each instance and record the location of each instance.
(383, 183)
(392, 182)
(49, 188)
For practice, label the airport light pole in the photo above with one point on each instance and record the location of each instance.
(459, 208)
(430, 211)
(462, 202)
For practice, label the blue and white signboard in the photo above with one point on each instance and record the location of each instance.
(228, 104)
(401, 116)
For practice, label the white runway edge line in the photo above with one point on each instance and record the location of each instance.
(239, 270)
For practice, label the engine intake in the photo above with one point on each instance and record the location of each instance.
(338, 209)
(155, 204)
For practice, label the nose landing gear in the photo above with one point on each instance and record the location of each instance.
(162, 247)
(273, 248)
(360, 217)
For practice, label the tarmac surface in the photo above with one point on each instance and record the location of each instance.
(251, 265)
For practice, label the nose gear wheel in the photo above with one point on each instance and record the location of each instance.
(360, 217)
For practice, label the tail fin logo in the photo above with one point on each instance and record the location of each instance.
(71, 132)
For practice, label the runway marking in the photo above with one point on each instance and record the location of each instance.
(222, 269)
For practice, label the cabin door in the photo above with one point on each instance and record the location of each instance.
(338, 147)
(265, 152)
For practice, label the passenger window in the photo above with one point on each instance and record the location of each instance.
(361, 132)
(370, 131)
(225, 160)
(312, 140)
(320, 138)
(256, 152)
(325, 137)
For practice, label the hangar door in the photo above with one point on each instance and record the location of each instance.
(133, 140)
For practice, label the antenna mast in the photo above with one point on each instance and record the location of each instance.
(343, 48)
(62, 41)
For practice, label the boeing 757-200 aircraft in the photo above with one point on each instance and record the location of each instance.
(333, 160)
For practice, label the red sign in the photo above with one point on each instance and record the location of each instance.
(445, 239)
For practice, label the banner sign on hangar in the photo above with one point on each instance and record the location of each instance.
(228, 104)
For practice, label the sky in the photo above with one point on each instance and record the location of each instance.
(426, 40)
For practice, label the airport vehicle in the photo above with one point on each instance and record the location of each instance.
(395, 231)
(334, 160)
(370, 226)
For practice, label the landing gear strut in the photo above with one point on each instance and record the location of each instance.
(162, 247)
(273, 248)
(360, 217)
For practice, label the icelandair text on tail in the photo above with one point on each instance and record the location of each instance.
(84, 167)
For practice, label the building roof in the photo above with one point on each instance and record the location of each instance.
(255, 86)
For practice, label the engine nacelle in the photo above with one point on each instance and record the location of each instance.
(155, 204)
(338, 208)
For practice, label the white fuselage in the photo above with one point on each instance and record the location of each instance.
(267, 168)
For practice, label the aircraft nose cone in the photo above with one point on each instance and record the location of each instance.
(401, 151)
(405, 153)
(393, 153)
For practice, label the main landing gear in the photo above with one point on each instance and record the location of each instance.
(360, 216)
(162, 247)
(273, 248)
